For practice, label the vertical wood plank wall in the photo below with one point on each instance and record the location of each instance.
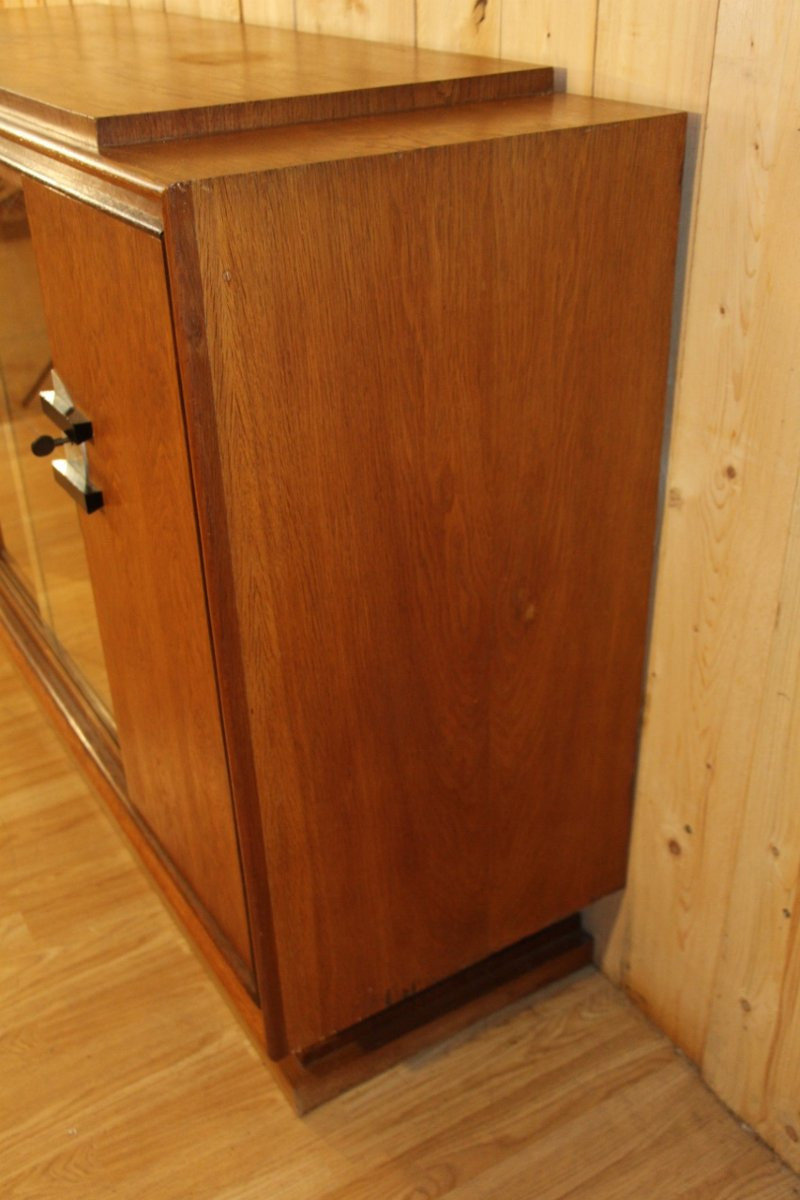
(707, 937)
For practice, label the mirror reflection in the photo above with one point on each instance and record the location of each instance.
(40, 536)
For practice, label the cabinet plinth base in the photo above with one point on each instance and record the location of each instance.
(357, 1054)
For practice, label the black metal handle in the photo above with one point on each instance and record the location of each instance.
(71, 473)
(45, 444)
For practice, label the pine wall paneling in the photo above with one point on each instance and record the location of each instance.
(471, 26)
(751, 1048)
(558, 33)
(376, 20)
(112, 3)
(650, 53)
(279, 13)
(655, 53)
(218, 10)
(647, 52)
(153, 5)
(707, 936)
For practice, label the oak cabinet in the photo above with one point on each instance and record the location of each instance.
(374, 347)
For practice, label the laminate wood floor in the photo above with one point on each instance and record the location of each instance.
(124, 1074)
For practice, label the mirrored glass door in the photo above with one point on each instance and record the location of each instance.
(39, 524)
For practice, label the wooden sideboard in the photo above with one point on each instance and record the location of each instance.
(373, 343)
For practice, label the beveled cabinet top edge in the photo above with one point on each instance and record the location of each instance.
(133, 179)
(131, 195)
(200, 159)
(109, 76)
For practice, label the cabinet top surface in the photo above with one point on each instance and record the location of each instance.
(108, 76)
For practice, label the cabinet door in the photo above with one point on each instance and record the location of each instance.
(109, 321)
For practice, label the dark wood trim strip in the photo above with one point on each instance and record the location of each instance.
(429, 1017)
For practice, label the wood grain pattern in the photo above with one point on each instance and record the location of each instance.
(174, 76)
(125, 1074)
(663, 53)
(715, 850)
(278, 13)
(192, 351)
(371, 19)
(96, 752)
(428, 1018)
(215, 10)
(550, 31)
(153, 5)
(84, 174)
(118, 4)
(428, 630)
(646, 49)
(169, 163)
(64, 699)
(142, 546)
(655, 53)
(469, 25)
(755, 985)
(708, 525)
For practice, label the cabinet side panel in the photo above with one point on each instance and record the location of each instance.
(439, 384)
(110, 329)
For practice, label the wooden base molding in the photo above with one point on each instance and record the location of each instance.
(447, 1008)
